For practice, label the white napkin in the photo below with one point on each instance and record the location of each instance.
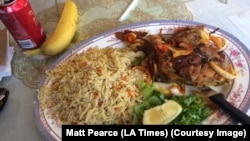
(242, 21)
(6, 69)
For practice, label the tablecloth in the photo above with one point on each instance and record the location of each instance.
(17, 121)
(91, 22)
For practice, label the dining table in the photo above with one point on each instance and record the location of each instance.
(17, 121)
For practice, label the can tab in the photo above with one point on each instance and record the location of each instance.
(5, 2)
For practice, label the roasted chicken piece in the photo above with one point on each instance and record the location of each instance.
(194, 35)
(188, 56)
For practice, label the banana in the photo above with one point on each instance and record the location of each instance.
(61, 37)
(33, 52)
(63, 33)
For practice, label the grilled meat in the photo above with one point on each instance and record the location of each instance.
(183, 57)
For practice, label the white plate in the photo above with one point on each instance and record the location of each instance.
(238, 95)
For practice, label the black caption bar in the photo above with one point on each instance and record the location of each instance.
(162, 132)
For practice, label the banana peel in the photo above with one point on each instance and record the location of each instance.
(63, 34)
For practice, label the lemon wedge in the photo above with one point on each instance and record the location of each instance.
(162, 114)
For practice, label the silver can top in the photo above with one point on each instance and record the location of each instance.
(6, 2)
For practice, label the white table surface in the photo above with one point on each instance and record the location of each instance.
(17, 120)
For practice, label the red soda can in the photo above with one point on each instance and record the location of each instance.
(21, 22)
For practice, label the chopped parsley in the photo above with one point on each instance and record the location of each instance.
(194, 110)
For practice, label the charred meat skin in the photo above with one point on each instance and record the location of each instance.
(193, 68)
(192, 34)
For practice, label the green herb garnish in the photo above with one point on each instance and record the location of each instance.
(194, 110)
(151, 98)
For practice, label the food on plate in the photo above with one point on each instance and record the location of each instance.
(97, 86)
(195, 109)
(220, 42)
(169, 89)
(192, 55)
(143, 83)
(63, 33)
(162, 114)
(191, 108)
(228, 75)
